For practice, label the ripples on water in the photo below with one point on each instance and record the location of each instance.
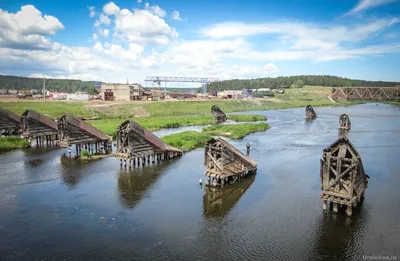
(55, 208)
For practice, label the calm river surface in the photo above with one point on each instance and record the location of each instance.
(54, 209)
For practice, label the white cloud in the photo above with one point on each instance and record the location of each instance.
(92, 12)
(270, 68)
(104, 19)
(27, 28)
(111, 9)
(94, 36)
(155, 9)
(175, 16)
(105, 33)
(368, 4)
(139, 1)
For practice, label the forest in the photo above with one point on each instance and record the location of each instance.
(296, 81)
(68, 85)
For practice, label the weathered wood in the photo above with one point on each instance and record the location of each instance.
(10, 123)
(219, 115)
(343, 179)
(134, 141)
(226, 163)
(310, 113)
(34, 124)
(344, 122)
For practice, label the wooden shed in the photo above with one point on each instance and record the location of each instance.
(342, 175)
(225, 163)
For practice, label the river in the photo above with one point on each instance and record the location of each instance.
(52, 208)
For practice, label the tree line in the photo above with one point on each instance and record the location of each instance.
(295, 81)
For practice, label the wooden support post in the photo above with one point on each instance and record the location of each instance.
(335, 208)
(349, 211)
(324, 204)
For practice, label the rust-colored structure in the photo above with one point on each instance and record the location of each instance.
(343, 179)
(35, 125)
(73, 131)
(9, 123)
(137, 146)
(366, 93)
(310, 113)
(219, 115)
(344, 122)
(225, 163)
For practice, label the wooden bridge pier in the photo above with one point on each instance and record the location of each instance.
(10, 123)
(310, 113)
(137, 147)
(73, 131)
(35, 125)
(342, 175)
(344, 122)
(219, 115)
(225, 163)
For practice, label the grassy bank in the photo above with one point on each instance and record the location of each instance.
(246, 117)
(109, 126)
(187, 140)
(235, 131)
(7, 143)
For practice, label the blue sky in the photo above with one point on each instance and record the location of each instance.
(113, 41)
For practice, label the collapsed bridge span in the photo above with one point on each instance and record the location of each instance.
(137, 146)
(9, 123)
(36, 125)
(219, 115)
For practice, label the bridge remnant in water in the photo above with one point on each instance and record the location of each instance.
(36, 125)
(310, 113)
(137, 146)
(366, 93)
(343, 179)
(219, 115)
(75, 131)
(225, 163)
(344, 122)
(10, 123)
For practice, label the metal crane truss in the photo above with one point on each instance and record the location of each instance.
(9, 123)
(367, 93)
(158, 79)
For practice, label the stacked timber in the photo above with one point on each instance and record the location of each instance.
(73, 131)
(344, 122)
(219, 115)
(36, 125)
(343, 179)
(137, 146)
(310, 113)
(225, 163)
(9, 123)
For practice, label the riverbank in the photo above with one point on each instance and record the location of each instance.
(235, 131)
(8, 143)
(187, 140)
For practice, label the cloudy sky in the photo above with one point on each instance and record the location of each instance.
(113, 41)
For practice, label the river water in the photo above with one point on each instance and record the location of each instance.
(52, 208)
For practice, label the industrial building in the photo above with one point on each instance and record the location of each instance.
(121, 92)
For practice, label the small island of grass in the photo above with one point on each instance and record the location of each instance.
(246, 117)
(235, 131)
(7, 143)
(187, 140)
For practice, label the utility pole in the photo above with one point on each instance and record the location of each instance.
(44, 90)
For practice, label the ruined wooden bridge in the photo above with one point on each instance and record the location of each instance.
(219, 115)
(137, 146)
(343, 179)
(310, 113)
(225, 163)
(10, 123)
(366, 93)
(35, 125)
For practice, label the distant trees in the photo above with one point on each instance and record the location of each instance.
(261, 94)
(297, 84)
(287, 82)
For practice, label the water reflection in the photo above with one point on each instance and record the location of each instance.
(339, 237)
(72, 170)
(218, 201)
(133, 184)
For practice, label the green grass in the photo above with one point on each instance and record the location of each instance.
(109, 126)
(187, 140)
(235, 131)
(13, 143)
(246, 117)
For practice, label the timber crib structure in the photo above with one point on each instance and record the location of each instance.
(310, 113)
(9, 123)
(35, 125)
(225, 163)
(344, 122)
(343, 179)
(73, 131)
(137, 146)
(219, 115)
